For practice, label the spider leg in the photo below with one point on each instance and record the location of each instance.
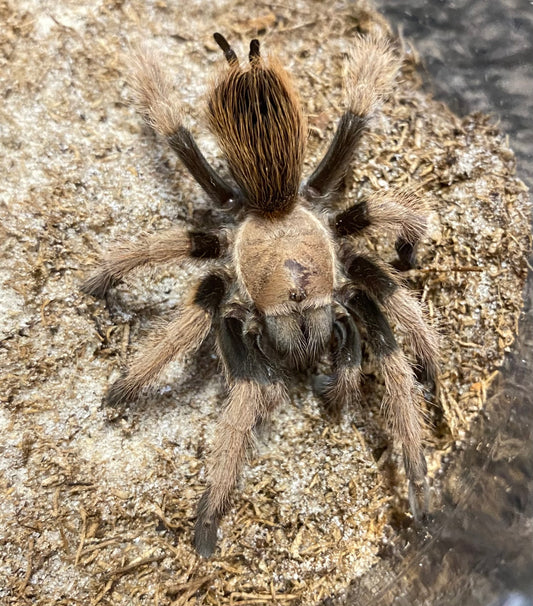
(157, 103)
(406, 254)
(400, 212)
(342, 387)
(401, 400)
(255, 53)
(176, 244)
(180, 336)
(255, 390)
(332, 169)
(370, 72)
(229, 53)
(399, 305)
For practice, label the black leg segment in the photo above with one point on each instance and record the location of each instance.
(182, 142)
(332, 169)
(241, 354)
(406, 254)
(210, 293)
(373, 278)
(205, 245)
(367, 313)
(342, 386)
(352, 221)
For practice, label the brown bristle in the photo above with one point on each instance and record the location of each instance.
(258, 120)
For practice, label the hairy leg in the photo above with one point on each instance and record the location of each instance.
(370, 72)
(400, 212)
(402, 394)
(157, 103)
(402, 411)
(176, 339)
(399, 305)
(176, 244)
(342, 387)
(407, 252)
(255, 390)
(248, 404)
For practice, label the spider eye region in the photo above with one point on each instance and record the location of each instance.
(285, 264)
(300, 276)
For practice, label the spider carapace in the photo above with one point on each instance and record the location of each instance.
(288, 284)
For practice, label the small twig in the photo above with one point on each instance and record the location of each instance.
(133, 566)
(253, 598)
(83, 514)
(465, 268)
(99, 597)
(188, 589)
(29, 569)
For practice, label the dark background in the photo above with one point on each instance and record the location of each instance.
(477, 547)
(479, 57)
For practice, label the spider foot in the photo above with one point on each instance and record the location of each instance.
(418, 495)
(406, 255)
(113, 404)
(98, 284)
(206, 528)
(321, 385)
(118, 394)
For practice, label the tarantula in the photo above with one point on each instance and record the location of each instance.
(286, 287)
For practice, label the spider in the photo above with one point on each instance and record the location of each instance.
(288, 284)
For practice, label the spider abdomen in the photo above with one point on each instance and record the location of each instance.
(257, 118)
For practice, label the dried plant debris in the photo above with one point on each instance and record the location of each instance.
(100, 512)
